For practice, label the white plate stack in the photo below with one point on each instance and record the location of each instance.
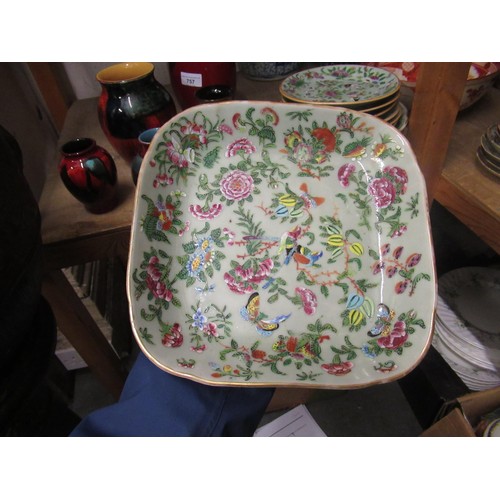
(467, 330)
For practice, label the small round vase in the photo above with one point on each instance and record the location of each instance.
(145, 139)
(214, 93)
(131, 101)
(89, 173)
(187, 78)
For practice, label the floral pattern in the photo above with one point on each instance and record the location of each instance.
(339, 84)
(264, 248)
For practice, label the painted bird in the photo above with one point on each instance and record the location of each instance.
(302, 255)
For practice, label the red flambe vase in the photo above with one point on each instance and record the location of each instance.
(89, 173)
(187, 78)
(131, 101)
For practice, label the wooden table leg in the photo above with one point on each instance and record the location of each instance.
(78, 326)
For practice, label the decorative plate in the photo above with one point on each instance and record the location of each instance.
(278, 244)
(344, 85)
(468, 305)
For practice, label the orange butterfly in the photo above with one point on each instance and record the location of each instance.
(309, 201)
(251, 312)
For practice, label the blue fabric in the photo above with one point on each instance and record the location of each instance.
(155, 403)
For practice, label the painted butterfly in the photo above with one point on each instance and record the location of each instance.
(309, 201)
(251, 312)
(383, 321)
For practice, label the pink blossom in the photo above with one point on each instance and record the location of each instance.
(178, 155)
(211, 329)
(242, 144)
(338, 368)
(399, 175)
(399, 231)
(174, 337)
(383, 192)
(225, 128)
(396, 338)
(152, 268)
(309, 299)
(195, 132)
(186, 227)
(159, 289)
(162, 180)
(345, 172)
(209, 214)
(252, 276)
(236, 185)
(237, 287)
(199, 348)
(230, 235)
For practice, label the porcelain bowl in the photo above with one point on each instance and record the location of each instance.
(281, 244)
(481, 78)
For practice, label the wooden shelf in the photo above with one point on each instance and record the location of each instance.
(465, 188)
(445, 149)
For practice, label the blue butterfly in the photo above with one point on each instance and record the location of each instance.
(383, 321)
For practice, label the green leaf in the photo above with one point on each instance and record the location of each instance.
(267, 133)
(189, 247)
(249, 113)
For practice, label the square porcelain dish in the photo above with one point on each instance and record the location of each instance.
(281, 244)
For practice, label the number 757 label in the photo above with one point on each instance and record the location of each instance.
(191, 79)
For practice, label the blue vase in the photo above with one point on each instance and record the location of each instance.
(144, 139)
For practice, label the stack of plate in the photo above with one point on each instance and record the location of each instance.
(488, 152)
(467, 329)
(354, 86)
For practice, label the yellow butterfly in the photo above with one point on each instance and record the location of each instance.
(251, 312)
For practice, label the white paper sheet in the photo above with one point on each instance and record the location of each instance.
(297, 422)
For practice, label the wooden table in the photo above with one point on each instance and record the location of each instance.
(71, 235)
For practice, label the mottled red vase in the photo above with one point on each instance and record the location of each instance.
(89, 173)
(187, 78)
(131, 101)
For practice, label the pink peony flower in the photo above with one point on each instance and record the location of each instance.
(236, 185)
(242, 144)
(383, 192)
(396, 338)
(399, 175)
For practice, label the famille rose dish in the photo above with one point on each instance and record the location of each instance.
(350, 85)
(277, 244)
